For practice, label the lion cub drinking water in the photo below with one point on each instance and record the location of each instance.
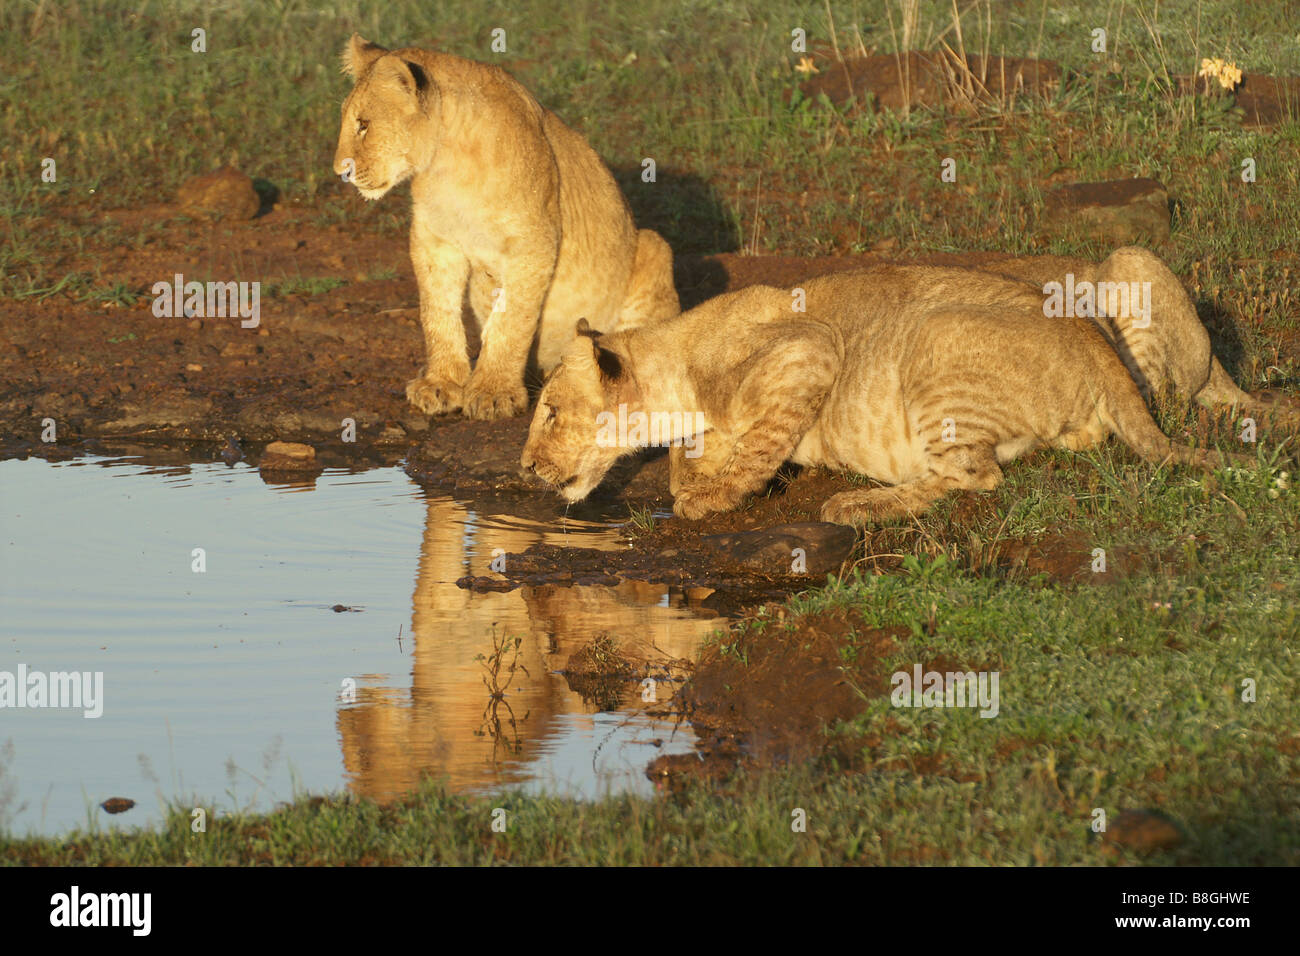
(927, 379)
(507, 201)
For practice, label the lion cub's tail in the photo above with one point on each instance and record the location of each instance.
(1270, 407)
(1127, 415)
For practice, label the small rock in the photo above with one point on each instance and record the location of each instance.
(1142, 831)
(1118, 211)
(232, 452)
(823, 546)
(238, 349)
(193, 367)
(175, 409)
(288, 456)
(674, 773)
(117, 805)
(227, 192)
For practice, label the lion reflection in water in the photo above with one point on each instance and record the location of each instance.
(440, 724)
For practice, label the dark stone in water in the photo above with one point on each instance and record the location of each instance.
(232, 452)
(117, 805)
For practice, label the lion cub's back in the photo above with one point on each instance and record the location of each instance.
(917, 348)
(598, 241)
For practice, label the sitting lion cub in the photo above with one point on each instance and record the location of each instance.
(925, 378)
(507, 201)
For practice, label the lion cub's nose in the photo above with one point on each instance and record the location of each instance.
(528, 462)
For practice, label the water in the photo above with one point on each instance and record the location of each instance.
(241, 685)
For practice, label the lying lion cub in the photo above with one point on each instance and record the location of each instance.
(508, 201)
(925, 378)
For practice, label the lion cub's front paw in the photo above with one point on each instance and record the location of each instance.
(434, 395)
(700, 498)
(489, 398)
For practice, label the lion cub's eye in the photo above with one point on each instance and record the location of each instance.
(551, 413)
(362, 126)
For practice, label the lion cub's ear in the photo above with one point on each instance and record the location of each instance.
(358, 54)
(406, 75)
(609, 364)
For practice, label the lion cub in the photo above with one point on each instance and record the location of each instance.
(509, 205)
(927, 379)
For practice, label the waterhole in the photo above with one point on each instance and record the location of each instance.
(258, 641)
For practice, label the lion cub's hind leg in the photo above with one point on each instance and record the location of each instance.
(972, 467)
(651, 295)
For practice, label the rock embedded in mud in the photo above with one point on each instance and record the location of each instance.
(932, 79)
(675, 773)
(1117, 212)
(1142, 831)
(1263, 100)
(814, 548)
(1268, 100)
(286, 456)
(172, 408)
(227, 192)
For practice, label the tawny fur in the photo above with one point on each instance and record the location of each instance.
(511, 209)
(927, 379)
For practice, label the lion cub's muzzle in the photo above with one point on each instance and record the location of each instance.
(546, 471)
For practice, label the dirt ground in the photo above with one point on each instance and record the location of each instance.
(115, 371)
(111, 374)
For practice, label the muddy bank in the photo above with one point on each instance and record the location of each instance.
(767, 695)
(336, 341)
(776, 544)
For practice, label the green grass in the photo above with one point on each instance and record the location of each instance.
(305, 286)
(640, 521)
(1122, 696)
(659, 79)
(849, 821)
